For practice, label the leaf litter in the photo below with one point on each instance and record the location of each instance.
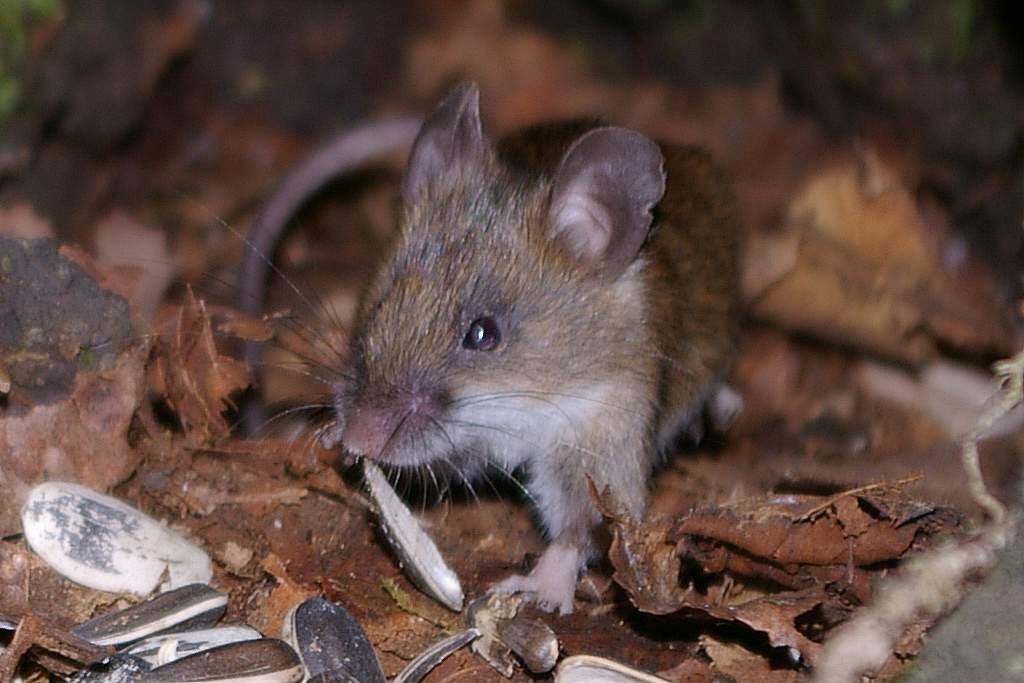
(759, 548)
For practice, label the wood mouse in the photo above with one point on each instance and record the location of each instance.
(561, 303)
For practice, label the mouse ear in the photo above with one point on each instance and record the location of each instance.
(451, 135)
(602, 196)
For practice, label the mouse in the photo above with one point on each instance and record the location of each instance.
(561, 303)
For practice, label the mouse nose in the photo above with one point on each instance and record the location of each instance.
(368, 430)
(371, 429)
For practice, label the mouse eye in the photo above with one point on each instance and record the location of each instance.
(483, 335)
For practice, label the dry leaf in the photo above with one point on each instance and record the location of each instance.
(868, 273)
(195, 378)
(741, 664)
(122, 241)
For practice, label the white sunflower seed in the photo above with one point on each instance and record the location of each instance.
(99, 542)
(164, 649)
(416, 551)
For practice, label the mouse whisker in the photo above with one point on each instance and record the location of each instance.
(300, 368)
(483, 399)
(436, 424)
(293, 410)
(501, 467)
(308, 296)
(539, 394)
(566, 444)
(313, 338)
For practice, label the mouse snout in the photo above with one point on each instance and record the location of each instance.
(371, 430)
(367, 431)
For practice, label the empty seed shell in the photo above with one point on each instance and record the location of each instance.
(591, 669)
(193, 606)
(503, 631)
(266, 660)
(119, 668)
(330, 640)
(99, 542)
(428, 660)
(532, 640)
(485, 613)
(416, 551)
(164, 649)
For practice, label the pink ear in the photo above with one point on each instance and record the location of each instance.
(602, 196)
(451, 135)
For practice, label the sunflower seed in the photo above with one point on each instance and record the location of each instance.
(164, 649)
(532, 640)
(427, 661)
(591, 669)
(193, 606)
(416, 551)
(329, 640)
(266, 660)
(119, 668)
(99, 542)
(504, 631)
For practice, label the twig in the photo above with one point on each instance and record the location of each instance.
(932, 583)
(1010, 374)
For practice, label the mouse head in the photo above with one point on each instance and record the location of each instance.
(505, 293)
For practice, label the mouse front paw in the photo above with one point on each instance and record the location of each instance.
(548, 596)
(552, 583)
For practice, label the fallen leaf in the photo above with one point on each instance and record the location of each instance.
(773, 529)
(646, 564)
(272, 609)
(20, 220)
(188, 370)
(123, 241)
(869, 272)
(741, 664)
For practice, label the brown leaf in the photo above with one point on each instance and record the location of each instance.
(646, 565)
(741, 664)
(21, 220)
(140, 249)
(869, 272)
(768, 529)
(195, 378)
(270, 613)
(241, 326)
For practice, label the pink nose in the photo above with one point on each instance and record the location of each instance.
(367, 430)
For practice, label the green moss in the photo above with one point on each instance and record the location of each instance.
(17, 17)
(962, 16)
